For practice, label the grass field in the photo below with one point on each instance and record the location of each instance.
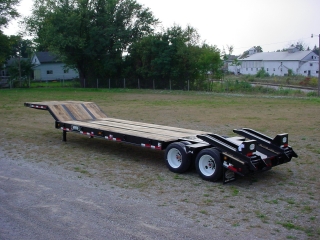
(283, 202)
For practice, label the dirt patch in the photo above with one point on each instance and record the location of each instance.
(281, 203)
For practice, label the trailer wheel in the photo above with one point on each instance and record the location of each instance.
(177, 159)
(208, 164)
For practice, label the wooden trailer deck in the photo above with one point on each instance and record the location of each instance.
(227, 156)
(88, 114)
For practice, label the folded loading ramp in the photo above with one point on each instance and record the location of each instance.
(88, 116)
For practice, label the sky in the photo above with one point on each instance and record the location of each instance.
(271, 24)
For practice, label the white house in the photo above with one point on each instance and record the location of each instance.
(231, 64)
(278, 63)
(48, 67)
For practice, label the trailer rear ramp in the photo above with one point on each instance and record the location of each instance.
(214, 156)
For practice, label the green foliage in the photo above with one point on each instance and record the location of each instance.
(20, 71)
(262, 73)
(249, 78)
(314, 81)
(5, 48)
(258, 48)
(90, 35)
(14, 46)
(309, 81)
(173, 57)
(290, 72)
(316, 50)
(8, 11)
(20, 47)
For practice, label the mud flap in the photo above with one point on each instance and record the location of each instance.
(228, 175)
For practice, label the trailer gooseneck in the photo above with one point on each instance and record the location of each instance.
(214, 156)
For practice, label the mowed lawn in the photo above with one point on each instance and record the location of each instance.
(282, 202)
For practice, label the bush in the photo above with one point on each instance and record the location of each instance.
(314, 82)
(262, 73)
(312, 94)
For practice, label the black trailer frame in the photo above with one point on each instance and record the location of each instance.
(214, 156)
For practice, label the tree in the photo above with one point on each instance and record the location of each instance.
(8, 11)
(210, 61)
(258, 48)
(173, 55)
(5, 48)
(90, 35)
(20, 47)
(20, 69)
(301, 46)
(227, 55)
(316, 50)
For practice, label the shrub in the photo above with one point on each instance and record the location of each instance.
(313, 82)
(305, 82)
(262, 73)
(290, 72)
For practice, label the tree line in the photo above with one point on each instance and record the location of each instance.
(114, 39)
(106, 39)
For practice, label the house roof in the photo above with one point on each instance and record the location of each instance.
(46, 57)
(278, 56)
(232, 57)
(15, 60)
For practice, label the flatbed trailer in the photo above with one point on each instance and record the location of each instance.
(214, 156)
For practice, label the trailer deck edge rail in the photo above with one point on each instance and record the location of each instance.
(214, 156)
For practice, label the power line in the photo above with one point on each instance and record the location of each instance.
(268, 44)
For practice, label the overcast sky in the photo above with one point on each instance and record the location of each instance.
(272, 24)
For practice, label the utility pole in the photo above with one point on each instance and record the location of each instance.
(318, 66)
(19, 70)
(319, 69)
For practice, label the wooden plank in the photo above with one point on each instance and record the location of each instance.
(95, 110)
(78, 111)
(155, 126)
(60, 113)
(72, 110)
(148, 132)
(148, 129)
(153, 136)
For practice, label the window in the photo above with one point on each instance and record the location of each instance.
(305, 71)
(310, 64)
(267, 69)
(246, 69)
(251, 69)
(274, 69)
(49, 71)
(281, 69)
(317, 71)
(66, 71)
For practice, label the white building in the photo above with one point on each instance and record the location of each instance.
(232, 64)
(48, 67)
(278, 63)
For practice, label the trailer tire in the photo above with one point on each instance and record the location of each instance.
(208, 164)
(177, 159)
